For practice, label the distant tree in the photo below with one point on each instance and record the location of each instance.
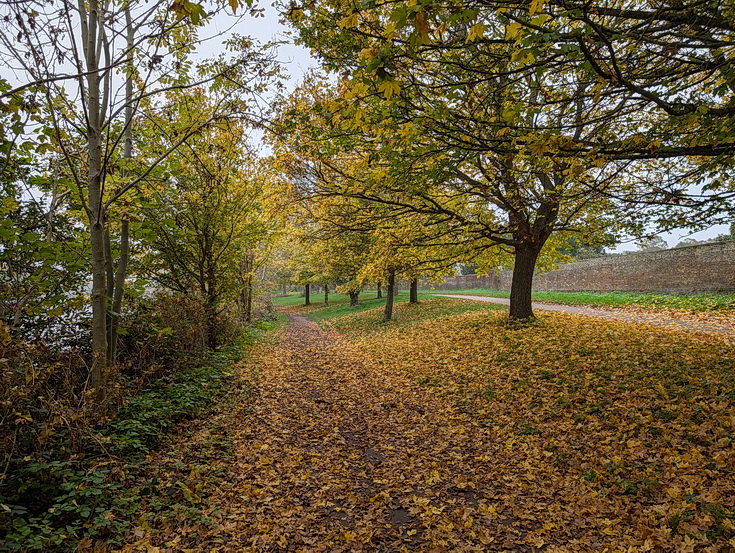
(652, 243)
(577, 249)
(689, 242)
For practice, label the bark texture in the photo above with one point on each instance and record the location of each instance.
(390, 294)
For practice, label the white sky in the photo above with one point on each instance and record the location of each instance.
(295, 59)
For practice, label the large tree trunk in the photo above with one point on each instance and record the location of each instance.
(414, 291)
(307, 296)
(522, 283)
(380, 290)
(326, 294)
(389, 295)
(354, 298)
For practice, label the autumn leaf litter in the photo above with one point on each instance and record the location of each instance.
(467, 433)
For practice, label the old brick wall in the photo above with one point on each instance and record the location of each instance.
(689, 269)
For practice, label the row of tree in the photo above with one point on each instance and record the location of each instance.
(508, 126)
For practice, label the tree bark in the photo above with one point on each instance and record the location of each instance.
(307, 298)
(389, 295)
(99, 312)
(414, 291)
(354, 298)
(91, 37)
(117, 296)
(326, 293)
(380, 290)
(521, 306)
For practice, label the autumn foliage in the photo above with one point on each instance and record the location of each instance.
(445, 431)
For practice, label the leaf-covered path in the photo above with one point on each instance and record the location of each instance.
(339, 452)
(340, 456)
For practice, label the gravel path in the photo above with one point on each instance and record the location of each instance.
(692, 322)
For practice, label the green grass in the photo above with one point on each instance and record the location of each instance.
(406, 315)
(339, 304)
(430, 307)
(697, 302)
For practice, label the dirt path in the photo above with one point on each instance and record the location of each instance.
(339, 456)
(704, 322)
(338, 453)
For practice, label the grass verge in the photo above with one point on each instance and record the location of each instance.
(697, 302)
(404, 312)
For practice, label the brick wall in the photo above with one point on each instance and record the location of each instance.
(689, 269)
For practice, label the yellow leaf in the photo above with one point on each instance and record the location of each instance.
(523, 56)
(477, 31)
(349, 21)
(389, 88)
(512, 30)
(535, 7)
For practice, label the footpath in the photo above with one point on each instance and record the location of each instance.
(693, 322)
(339, 453)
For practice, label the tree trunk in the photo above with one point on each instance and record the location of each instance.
(210, 314)
(395, 289)
(249, 298)
(91, 37)
(326, 294)
(117, 296)
(246, 294)
(99, 312)
(353, 298)
(522, 283)
(389, 295)
(414, 292)
(380, 290)
(307, 299)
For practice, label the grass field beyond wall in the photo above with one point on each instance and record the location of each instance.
(698, 302)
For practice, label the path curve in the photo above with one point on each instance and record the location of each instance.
(667, 319)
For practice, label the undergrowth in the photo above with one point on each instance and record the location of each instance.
(57, 501)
